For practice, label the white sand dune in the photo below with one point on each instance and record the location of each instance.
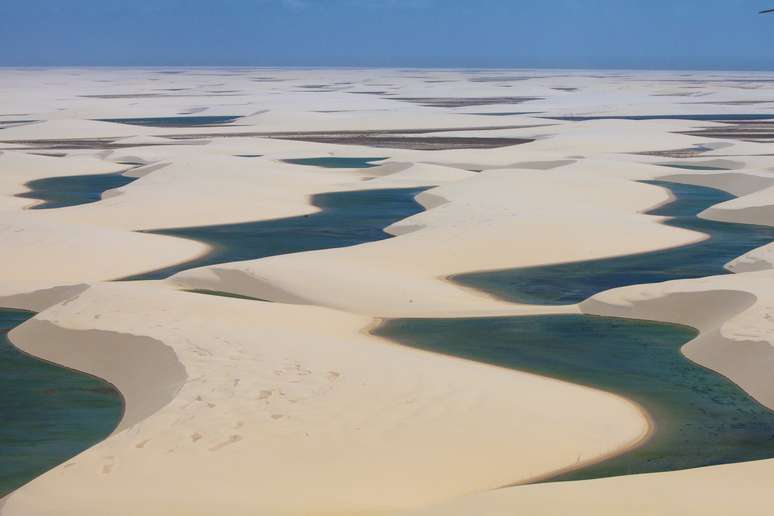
(736, 183)
(756, 260)
(20, 168)
(715, 491)
(73, 128)
(733, 314)
(242, 192)
(292, 408)
(754, 208)
(494, 220)
(270, 405)
(81, 252)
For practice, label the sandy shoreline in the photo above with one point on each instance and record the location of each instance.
(365, 426)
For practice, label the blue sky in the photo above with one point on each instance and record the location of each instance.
(659, 34)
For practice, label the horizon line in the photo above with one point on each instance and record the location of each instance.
(389, 67)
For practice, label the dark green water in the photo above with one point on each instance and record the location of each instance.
(346, 218)
(700, 417)
(574, 282)
(58, 192)
(174, 121)
(333, 162)
(49, 413)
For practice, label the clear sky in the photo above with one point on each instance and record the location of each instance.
(695, 34)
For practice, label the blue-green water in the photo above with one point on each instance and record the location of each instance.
(174, 121)
(574, 282)
(52, 413)
(59, 192)
(346, 218)
(334, 162)
(49, 413)
(701, 418)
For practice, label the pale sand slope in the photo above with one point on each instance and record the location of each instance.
(756, 260)
(19, 168)
(201, 187)
(733, 314)
(184, 185)
(603, 136)
(739, 184)
(739, 489)
(751, 209)
(754, 191)
(494, 220)
(233, 407)
(81, 252)
(71, 129)
(193, 187)
(74, 252)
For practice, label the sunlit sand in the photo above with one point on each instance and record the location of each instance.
(258, 377)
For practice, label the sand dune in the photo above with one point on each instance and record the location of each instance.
(496, 219)
(269, 404)
(754, 208)
(287, 408)
(732, 313)
(756, 260)
(20, 168)
(714, 491)
(76, 253)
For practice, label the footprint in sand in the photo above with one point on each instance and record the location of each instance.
(231, 440)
